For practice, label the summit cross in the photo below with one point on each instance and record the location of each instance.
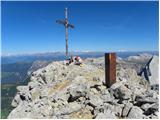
(67, 25)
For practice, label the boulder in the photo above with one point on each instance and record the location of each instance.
(152, 109)
(126, 109)
(77, 91)
(154, 68)
(146, 106)
(16, 100)
(144, 99)
(135, 113)
(69, 108)
(108, 114)
(21, 111)
(35, 93)
(122, 92)
(81, 114)
(95, 100)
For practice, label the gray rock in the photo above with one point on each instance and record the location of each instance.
(101, 88)
(67, 109)
(146, 106)
(73, 106)
(35, 93)
(77, 91)
(108, 114)
(155, 87)
(155, 106)
(101, 116)
(63, 117)
(152, 109)
(24, 94)
(153, 116)
(122, 93)
(21, 111)
(62, 95)
(106, 98)
(154, 68)
(126, 109)
(22, 89)
(156, 113)
(54, 117)
(96, 79)
(143, 99)
(16, 101)
(89, 108)
(32, 85)
(95, 100)
(135, 113)
(117, 109)
(41, 111)
(94, 90)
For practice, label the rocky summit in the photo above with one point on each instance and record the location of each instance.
(68, 92)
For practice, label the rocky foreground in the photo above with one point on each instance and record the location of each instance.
(59, 91)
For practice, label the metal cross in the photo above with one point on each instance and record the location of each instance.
(67, 25)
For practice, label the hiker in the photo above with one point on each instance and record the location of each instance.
(78, 60)
(75, 60)
(66, 62)
(71, 59)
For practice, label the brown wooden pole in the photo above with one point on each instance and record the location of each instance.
(66, 30)
(67, 25)
(110, 69)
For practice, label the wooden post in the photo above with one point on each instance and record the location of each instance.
(67, 25)
(66, 31)
(110, 69)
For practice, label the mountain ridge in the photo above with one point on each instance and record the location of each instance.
(59, 91)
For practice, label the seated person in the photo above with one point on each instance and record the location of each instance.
(78, 60)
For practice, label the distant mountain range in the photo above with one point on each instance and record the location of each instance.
(14, 68)
(54, 56)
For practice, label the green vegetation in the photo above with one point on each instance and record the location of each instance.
(6, 74)
(14, 72)
(12, 75)
(8, 92)
(6, 107)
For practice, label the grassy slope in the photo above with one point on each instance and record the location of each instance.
(8, 92)
(6, 74)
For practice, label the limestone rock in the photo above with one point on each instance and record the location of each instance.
(66, 92)
(95, 100)
(16, 101)
(122, 93)
(108, 114)
(126, 109)
(154, 68)
(81, 114)
(135, 113)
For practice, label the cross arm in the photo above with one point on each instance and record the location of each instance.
(72, 26)
(61, 22)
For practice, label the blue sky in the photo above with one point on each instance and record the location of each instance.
(99, 26)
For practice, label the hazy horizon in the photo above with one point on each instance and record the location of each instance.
(45, 52)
